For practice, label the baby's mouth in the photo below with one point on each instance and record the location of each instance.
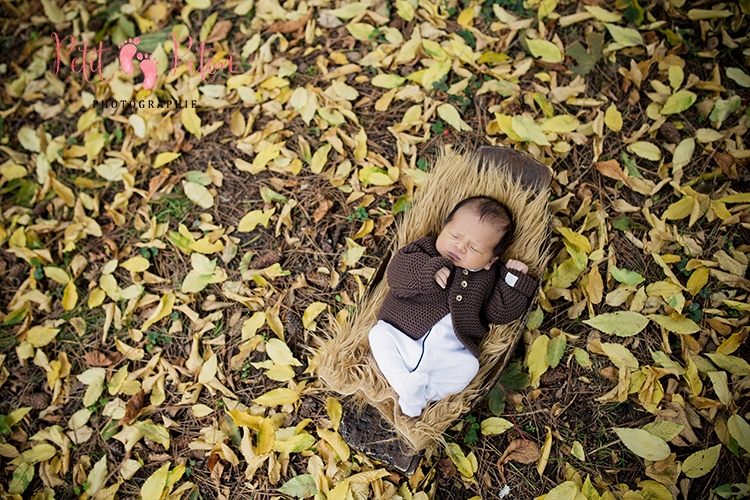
(455, 258)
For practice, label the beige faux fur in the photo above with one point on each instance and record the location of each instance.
(345, 362)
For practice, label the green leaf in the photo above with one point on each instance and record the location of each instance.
(582, 357)
(625, 37)
(643, 443)
(740, 77)
(556, 349)
(739, 429)
(732, 364)
(547, 51)
(621, 323)
(22, 477)
(513, 378)
(528, 130)
(678, 102)
(702, 462)
(724, 108)
(665, 429)
(625, 276)
(301, 486)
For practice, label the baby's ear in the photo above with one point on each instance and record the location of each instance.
(489, 264)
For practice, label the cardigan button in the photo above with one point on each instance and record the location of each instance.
(463, 284)
(458, 298)
(466, 271)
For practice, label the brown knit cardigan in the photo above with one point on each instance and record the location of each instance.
(415, 302)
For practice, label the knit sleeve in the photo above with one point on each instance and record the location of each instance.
(412, 270)
(507, 303)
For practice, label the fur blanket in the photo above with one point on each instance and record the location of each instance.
(345, 362)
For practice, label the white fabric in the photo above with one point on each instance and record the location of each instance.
(511, 279)
(422, 370)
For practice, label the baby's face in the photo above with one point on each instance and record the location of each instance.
(467, 242)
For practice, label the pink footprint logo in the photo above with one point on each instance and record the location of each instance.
(147, 62)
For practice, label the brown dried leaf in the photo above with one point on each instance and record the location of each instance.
(520, 450)
(220, 31)
(611, 169)
(290, 26)
(134, 407)
(322, 210)
(97, 358)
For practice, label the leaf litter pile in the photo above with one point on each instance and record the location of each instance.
(166, 265)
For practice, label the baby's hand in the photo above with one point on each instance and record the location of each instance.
(441, 277)
(516, 265)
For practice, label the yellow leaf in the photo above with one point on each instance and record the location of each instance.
(353, 252)
(678, 102)
(361, 31)
(39, 453)
(387, 81)
(547, 51)
(164, 309)
(275, 397)
(204, 246)
(253, 218)
(153, 487)
(435, 73)
(56, 274)
(280, 353)
(576, 239)
(261, 159)
(537, 359)
(164, 158)
(368, 476)
(367, 227)
(251, 325)
(613, 118)
(458, 458)
(334, 412)
(546, 448)
(340, 491)
(70, 296)
(495, 425)
(29, 139)
(136, 264)
(338, 444)
(312, 312)
(360, 152)
(677, 325)
(645, 150)
(191, 121)
(155, 432)
(40, 336)
(295, 444)
(266, 437)
(96, 298)
(643, 443)
(560, 124)
(603, 15)
(208, 370)
(98, 474)
(450, 114)
(64, 192)
(349, 11)
(245, 419)
(374, 176)
(620, 323)
(198, 194)
(701, 462)
(319, 159)
(466, 17)
(565, 491)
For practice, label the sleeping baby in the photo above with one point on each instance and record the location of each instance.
(444, 293)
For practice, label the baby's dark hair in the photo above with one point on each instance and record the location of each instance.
(493, 211)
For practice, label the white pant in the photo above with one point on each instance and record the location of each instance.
(422, 370)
